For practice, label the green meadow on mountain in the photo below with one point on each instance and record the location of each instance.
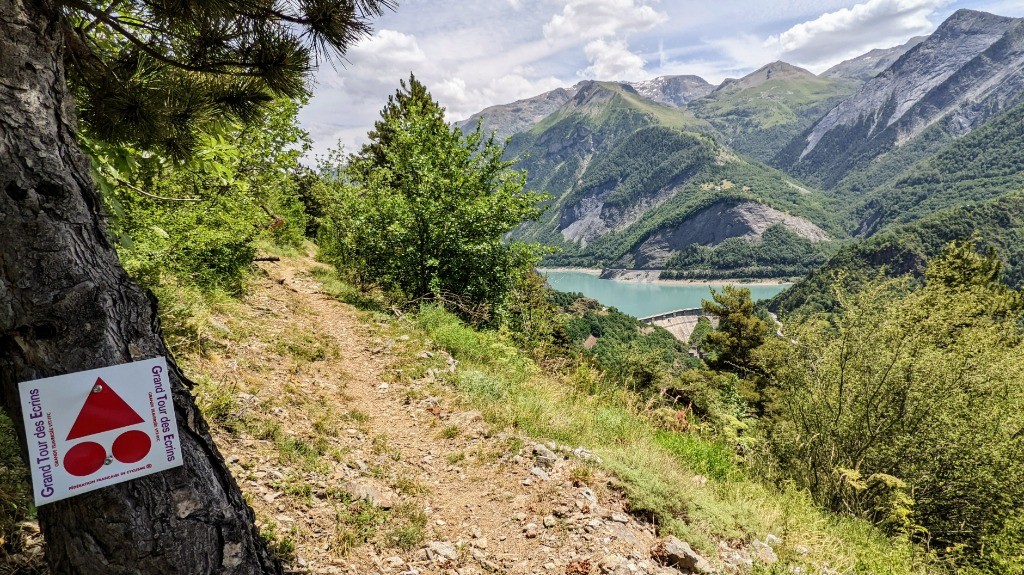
(762, 112)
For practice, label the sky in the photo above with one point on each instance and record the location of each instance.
(477, 53)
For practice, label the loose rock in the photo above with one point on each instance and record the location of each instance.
(675, 553)
(440, 552)
(365, 490)
(764, 552)
(544, 456)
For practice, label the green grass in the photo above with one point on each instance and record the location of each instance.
(282, 545)
(408, 526)
(307, 347)
(189, 317)
(774, 103)
(298, 452)
(345, 292)
(357, 523)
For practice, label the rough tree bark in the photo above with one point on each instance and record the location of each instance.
(67, 305)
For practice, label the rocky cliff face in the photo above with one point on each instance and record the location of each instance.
(715, 224)
(591, 217)
(673, 90)
(868, 65)
(967, 71)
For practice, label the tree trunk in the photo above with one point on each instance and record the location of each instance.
(67, 305)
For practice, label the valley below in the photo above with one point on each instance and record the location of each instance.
(774, 175)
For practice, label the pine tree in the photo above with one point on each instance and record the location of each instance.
(153, 73)
(739, 330)
(410, 100)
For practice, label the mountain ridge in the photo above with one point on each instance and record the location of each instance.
(673, 90)
(870, 64)
(629, 162)
(952, 76)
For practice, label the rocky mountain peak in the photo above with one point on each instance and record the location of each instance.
(966, 20)
(592, 92)
(948, 75)
(777, 70)
(508, 119)
(673, 90)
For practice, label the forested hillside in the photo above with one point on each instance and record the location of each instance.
(980, 166)
(623, 170)
(905, 250)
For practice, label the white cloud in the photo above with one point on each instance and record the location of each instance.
(605, 25)
(377, 64)
(472, 54)
(347, 100)
(591, 19)
(389, 46)
(745, 49)
(835, 36)
(850, 31)
(612, 61)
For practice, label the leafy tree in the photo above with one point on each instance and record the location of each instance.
(157, 75)
(739, 331)
(960, 267)
(426, 209)
(905, 407)
(628, 352)
(197, 221)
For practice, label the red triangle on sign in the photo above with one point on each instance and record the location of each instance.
(103, 410)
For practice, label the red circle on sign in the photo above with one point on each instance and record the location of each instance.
(84, 458)
(131, 446)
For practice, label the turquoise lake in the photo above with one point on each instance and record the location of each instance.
(642, 299)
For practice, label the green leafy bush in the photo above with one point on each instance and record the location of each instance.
(199, 221)
(916, 386)
(629, 352)
(422, 210)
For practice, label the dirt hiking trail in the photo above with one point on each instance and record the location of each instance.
(353, 466)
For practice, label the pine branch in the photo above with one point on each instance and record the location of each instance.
(222, 67)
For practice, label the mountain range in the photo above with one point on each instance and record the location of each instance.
(780, 171)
